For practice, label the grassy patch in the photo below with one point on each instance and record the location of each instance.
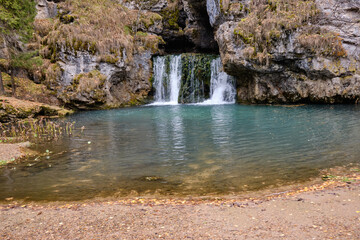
(28, 90)
(322, 42)
(2, 163)
(35, 130)
(93, 31)
(270, 20)
(27, 60)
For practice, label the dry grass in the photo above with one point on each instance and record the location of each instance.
(101, 27)
(90, 84)
(43, 26)
(268, 20)
(28, 90)
(91, 81)
(98, 26)
(322, 42)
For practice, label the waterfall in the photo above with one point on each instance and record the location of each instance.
(194, 74)
(175, 78)
(167, 85)
(191, 78)
(222, 85)
(159, 75)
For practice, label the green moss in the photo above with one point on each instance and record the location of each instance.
(141, 34)
(4, 63)
(150, 19)
(195, 67)
(109, 59)
(151, 80)
(66, 18)
(171, 18)
(2, 163)
(128, 30)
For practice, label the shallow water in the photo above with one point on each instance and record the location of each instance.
(188, 150)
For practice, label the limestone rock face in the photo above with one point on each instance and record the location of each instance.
(292, 72)
(121, 84)
(85, 77)
(46, 9)
(290, 69)
(76, 66)
(148, 5)
(198, 28)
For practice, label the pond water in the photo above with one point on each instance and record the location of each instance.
(186, 150)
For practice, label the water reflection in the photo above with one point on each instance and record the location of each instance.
(188, 150)
(178, 134)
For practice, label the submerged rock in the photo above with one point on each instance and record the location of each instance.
(151, 179)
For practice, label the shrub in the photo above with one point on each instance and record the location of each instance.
(322, 42)
(27, 60)
(270, 20)
(17, 15)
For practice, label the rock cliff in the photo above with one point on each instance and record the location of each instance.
(290, 51)
(100, 61)
(96, 60)
(279, 51)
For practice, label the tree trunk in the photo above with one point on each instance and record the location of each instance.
(2, 90)
(13, 83)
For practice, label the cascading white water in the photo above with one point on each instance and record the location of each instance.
(175, 78)
(222, 88)
(159, 75)
(167, 85)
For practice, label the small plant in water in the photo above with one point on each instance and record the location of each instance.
(340, 178)
(35, 130)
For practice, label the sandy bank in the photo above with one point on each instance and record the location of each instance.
(12, 152)
(332, 212)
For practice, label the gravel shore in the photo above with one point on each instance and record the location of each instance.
(330, 213)
(12, 152)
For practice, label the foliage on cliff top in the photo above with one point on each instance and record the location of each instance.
(268, 19)
(17, 18)
(322, 42)
(96, 26)
(17, 15)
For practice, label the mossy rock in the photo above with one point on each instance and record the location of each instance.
(12, 109)
(67, 19)
(196, 77)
